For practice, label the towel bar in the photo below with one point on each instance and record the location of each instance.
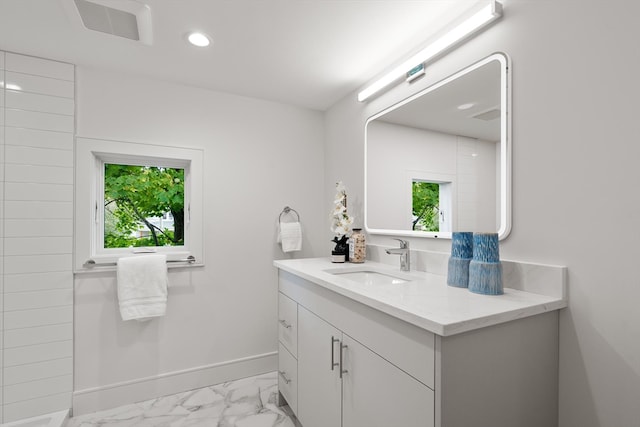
(286, 210)
(91, 263)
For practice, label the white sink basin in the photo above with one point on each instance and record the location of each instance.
(371, 277)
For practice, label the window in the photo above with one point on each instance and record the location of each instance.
(430, 202)
(431, 206)
(133, 198)
(425, 206)
(143, 206)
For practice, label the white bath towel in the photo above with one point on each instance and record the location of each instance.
(290, 236)
(142, 286)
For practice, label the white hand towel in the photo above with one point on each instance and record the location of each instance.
(290, 236)
(142, 286)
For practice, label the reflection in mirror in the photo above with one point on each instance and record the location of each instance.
(439, 161)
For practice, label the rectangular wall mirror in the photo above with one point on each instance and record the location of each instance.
(440, 160)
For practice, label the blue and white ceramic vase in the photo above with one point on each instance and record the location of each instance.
(461, 255)
(485, 269)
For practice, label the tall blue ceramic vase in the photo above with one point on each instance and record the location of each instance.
(461, 255)
(485, 269)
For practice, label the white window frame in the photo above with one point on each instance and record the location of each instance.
(91, 155)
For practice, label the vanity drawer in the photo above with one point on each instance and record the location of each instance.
(288, 323)
(288, 377)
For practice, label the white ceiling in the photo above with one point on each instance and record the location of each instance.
(308, 53)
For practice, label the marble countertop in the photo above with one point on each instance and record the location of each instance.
(425, 300)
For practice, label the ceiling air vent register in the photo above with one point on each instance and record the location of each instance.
(492, 114)
(121, 18)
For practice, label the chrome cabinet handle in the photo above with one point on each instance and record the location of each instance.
(283, 374)
(284, 323)
(333, 341)
(342, 371)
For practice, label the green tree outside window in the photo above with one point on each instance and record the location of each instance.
(426, 206)
(135, 198)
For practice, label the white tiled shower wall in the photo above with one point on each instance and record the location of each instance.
(36, 208)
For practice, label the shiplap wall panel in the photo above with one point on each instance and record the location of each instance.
(29, 300)
(37, 245)
(2, 137)
(40, 139)
(37, 191)
(42, 405)
(37, 335)
(37, 281)
(38, 174)
(41, 85)
(37, 353)
(40, 67)
(36, 264)
(38, 227)
(26, 209)
(37, 317)
(36, 102)
(35, 371)
(37, 120)
(36, 156)
(38, 388)
(37, 240)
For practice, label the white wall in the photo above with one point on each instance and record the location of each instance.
(36, 211)
(390, 169)
(575, 153)
(258, 157)
(468, 163)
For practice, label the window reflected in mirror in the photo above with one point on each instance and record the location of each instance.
(430, 205)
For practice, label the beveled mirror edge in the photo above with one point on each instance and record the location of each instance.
(505, 151)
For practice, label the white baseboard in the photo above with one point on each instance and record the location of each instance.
(141, 389)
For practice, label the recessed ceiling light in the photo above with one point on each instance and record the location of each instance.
(199, 39)
(12, 86)
(465, 106)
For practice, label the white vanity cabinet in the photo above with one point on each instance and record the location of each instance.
(342, 382)
(359, 366)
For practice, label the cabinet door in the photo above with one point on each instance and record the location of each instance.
(378, 394)
(319, 386)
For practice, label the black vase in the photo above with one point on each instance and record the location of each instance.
(340, 252)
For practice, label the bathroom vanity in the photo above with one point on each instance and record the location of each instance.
(368, 345)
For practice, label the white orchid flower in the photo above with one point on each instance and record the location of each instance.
(338, 209)
(340, 231)
(341, 220)
(346, 221)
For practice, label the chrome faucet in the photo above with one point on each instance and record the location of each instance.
(405, 254)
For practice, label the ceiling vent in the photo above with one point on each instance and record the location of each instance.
(123, 18)
(489, 115)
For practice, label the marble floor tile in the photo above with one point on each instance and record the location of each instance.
(249, 402)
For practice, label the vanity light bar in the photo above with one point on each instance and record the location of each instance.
(464, 29)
